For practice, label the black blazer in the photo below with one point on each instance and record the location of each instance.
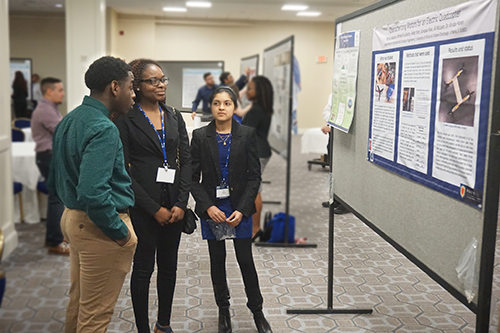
(143, 155)
(244, 169)
(257, 118)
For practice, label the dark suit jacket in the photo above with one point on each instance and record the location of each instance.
(143, 155)
(244, 169)
(257, 119)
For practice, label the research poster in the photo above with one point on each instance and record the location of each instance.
(431, 80)
(252, 63)
(192, 80)
(278, 69)
(345, 74)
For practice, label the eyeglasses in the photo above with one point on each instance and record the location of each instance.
(154, 81)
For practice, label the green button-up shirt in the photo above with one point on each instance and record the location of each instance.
(88, 169)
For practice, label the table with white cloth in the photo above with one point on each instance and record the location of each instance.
(314, 141)
(25, 171)
(27, 134)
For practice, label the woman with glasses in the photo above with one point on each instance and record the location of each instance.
(157, 155)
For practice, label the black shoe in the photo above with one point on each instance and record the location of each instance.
(339, 210)
(325, 204)
(224, 320)
(262, 323)
(257, 235)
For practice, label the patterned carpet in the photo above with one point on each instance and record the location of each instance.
(369, 273)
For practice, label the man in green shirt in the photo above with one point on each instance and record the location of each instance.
(88, 175)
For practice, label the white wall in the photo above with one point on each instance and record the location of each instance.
(41, 38)
(143, 37)
(6, 198)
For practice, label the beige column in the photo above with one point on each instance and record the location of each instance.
(6, 185)
(85, 42)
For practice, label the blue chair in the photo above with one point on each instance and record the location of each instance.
(21, 123)
(17, 135)
(18, 188)
(42, 187)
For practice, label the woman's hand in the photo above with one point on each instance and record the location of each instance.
(234, 219)
(163, 216)
(177, 214)
(216, 214)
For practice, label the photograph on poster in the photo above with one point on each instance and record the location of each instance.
(458, 90)
(384, 85)
(408, 99)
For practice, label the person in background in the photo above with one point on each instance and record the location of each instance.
(160, 204)
(227, 79)
(337, 207)
(44, 120)
(20, 94)
(260, 93)
(203, 95)
(36, 90)
(225, 158)
(88, 175)
(239, 112)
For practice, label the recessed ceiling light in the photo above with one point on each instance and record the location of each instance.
(174, 9)
(294, 7)
(199, 4)
(59, 5)
(310, 14)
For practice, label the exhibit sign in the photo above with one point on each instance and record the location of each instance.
(192, 80)
(252, 63)
(345, 75)
(430, 96)
(278, 62)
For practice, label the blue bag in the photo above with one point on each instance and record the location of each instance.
(278, 228)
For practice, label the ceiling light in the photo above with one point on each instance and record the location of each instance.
(199, 4)
(174, 9)
(59, 5)
(294, 7)
(310, 14)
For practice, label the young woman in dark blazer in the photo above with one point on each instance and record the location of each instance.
(157, 155)
(225, 158)
(260, 93)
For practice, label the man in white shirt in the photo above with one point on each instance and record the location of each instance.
(36, 89)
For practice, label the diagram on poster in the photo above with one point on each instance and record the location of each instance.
(430, 98)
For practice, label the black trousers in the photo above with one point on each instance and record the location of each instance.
(243, 249)
(160, 243)
(55, 208)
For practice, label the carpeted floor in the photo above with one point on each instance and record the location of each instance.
(369, 273)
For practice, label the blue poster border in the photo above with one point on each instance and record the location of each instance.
(427, 179)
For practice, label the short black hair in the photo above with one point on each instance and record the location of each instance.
(225, 89)
(105, 70)
(223, 77)
(207, 74)
(48, 83)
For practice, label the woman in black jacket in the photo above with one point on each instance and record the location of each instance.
(260, 93)
(225, 158)
(156, 150)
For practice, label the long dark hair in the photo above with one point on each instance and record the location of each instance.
(19, 82)
(264, 94)
(138, 67)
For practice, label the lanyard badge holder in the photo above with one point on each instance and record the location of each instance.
(165, 174)
(222, 191)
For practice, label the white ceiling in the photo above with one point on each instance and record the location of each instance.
(262, 10)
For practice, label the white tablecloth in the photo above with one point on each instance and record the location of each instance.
(314, 141)
(27, 134)
(25, 171)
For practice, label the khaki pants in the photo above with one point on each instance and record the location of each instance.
(98, 268)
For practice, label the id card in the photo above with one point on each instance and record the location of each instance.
(222, 192)
(165, 175)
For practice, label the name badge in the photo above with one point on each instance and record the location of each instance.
(165, 175)
(222, 192)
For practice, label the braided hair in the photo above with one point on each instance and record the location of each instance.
(264, 94)
(138, 67)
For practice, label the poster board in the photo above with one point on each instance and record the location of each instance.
(432, 229)
(252, 63)
(278, 64)
(186, 77)
(24, 65)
